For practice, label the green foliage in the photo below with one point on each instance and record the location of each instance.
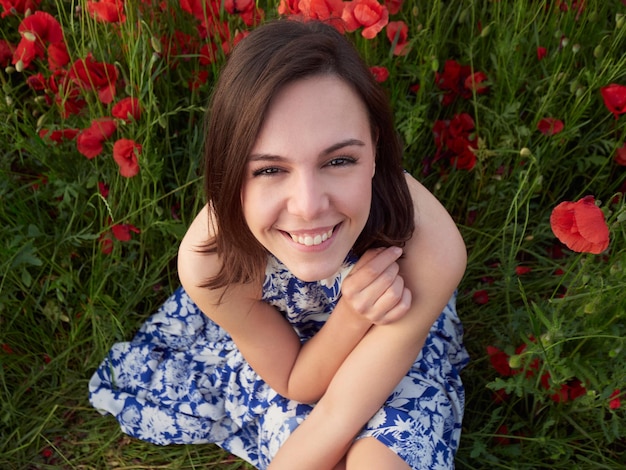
(559, 320)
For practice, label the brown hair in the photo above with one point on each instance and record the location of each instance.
(273, 55)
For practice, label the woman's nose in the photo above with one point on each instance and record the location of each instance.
(308, 197)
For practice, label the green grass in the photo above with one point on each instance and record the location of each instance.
(63, 302)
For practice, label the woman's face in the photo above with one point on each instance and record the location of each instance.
(308, 184)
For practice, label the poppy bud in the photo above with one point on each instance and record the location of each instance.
(597, 51)
(434, 64)
(156, 44)
(515, 361)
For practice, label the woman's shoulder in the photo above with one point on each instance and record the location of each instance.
(195, 263)
(436, 241)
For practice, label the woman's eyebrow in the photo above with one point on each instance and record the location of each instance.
(255, 157)
(267, 157)
(342, 144)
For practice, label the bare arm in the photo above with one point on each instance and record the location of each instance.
(372, 293)
(434, 264)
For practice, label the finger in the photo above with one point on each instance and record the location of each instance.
(372, 264)
(365, 295)
(368, 256)
(398, 311)
(386, 300)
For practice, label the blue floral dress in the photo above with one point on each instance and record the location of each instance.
(182, 380)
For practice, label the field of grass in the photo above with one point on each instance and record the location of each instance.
(506, 108)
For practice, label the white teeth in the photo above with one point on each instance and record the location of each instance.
(309, 240)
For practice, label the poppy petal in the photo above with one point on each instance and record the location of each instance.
(580, 226)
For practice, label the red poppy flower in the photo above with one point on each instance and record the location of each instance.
(394, 6)
(238, 37)
(67, 95)
(37, 82)
(463, 157)
(481, 297)
(530, 368)
(106, 243)
(58, 136)
(58, 56)
(127, 108)
(329, 11)
(37, 30)
(90, 141)
(500, 361)
(98, 76)
(461, 125)
(550, 126)
(107, 11)
(380, 73)
(179, 43)
(455, 140)
(452, 81)
(208, 54)
(288, 7)
(123, 231)
(580, 226)
(542, 52)
(614, 97)
(620, 155)
(43, 26)
(614, 399)
(198, 78)
(6, 52)
(501, 438)
(500, 396)
(7, 349)
(475, 83)
(103, 189)
(246, 9)
(18, 7)
(125, 152)
(369, 14)
(201, 9)
(521, 270)
(567, 392)
(577, 6)
(398, 33)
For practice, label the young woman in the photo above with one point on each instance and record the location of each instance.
(315, 327)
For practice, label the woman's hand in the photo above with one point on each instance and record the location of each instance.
(374, 290)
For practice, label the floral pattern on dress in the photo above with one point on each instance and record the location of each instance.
(182, 380)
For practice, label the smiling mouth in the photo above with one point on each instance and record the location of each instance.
(312, 240)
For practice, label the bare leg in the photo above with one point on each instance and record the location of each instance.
(370, 453)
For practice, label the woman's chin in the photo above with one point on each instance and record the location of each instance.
(314, 274)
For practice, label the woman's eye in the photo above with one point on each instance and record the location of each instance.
(341, 161)
(267, 171)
